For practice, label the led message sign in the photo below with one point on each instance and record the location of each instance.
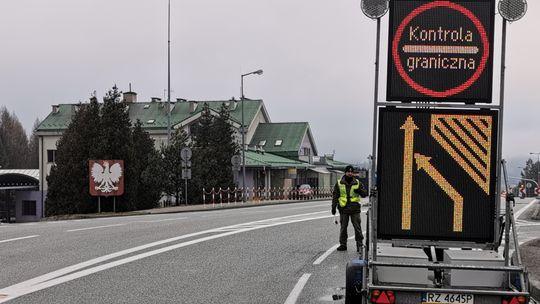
(440, 50)
(436, 174)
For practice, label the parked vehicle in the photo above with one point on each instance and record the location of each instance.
(305, 191)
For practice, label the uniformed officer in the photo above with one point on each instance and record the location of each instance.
(346, 197)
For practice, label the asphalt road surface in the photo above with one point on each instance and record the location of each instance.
(268, 254)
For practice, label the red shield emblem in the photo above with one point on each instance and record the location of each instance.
(106, 177)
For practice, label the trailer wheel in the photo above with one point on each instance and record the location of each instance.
(353, 281)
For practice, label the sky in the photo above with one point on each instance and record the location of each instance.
(317, 55)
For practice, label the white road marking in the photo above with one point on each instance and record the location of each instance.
(325, 255)
(520, 211)
(80, 270)
(295, 293)
(19, 238)
(528, 224)
(96, 227)
(312, 206)
(525, 240)
(328, 252)
(163, 220)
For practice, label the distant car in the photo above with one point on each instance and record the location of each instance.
(305, 191)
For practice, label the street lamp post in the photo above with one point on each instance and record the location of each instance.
(537, 164)
(243, 130)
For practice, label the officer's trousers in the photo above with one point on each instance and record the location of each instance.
(355, 220)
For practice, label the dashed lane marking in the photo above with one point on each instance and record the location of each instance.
(19, 238)
(295, 293)
(96, 227)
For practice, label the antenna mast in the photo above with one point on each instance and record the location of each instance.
(169, 74)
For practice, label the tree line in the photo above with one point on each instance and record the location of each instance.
(105, 131)
(17, 150)
(530, 172)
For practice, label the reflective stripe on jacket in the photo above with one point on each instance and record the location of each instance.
(344, 197)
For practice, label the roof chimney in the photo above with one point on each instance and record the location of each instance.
(233, 105)
(130, 97)
(55, 108)
(192, 106)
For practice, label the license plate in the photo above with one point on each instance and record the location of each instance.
(447, 298)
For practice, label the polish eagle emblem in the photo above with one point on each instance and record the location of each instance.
(106, 177)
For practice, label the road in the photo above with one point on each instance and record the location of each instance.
(268, 254)
(251, 255)
(527, 228)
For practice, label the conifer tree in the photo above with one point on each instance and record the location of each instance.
(14, 148)
(204, 164)
(147, 168)
(213, 147)
(172, 165)
(33, 147)
(103, 131)
(68, 180)
(115, 142)
(225, 147)
(529, 170)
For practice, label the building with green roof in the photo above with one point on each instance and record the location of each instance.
(279, 155)
(287, 139)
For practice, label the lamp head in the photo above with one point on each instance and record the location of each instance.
(258, 72)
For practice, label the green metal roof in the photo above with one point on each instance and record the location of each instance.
(290, 134)
(264, 159)
(153, 115)
(59, 119)
(335, 164)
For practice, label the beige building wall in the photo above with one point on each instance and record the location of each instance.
(46, 143)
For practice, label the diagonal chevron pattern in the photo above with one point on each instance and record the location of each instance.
(467, 138)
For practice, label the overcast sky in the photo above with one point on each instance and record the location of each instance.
(317, 56)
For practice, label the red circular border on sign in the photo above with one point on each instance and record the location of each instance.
(464, 85)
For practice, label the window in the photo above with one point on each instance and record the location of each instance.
(278, 142)
(28, 208)
(51, 156)
(306, 151)
(150, 121)
(262, 143)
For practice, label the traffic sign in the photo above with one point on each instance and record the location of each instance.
(185, 153)
(440, 50)
(236, 160)
(436, 174)
(186, 173)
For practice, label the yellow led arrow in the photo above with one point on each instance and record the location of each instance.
(408, 147)
(422, 162)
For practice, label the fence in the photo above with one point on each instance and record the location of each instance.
(234, 196)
